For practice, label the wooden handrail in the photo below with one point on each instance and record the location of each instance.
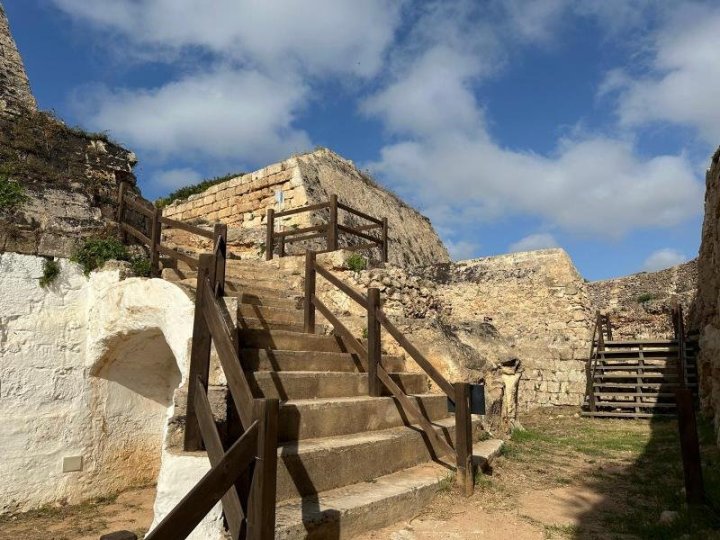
(194, 506)
(132, 203)
(370, 358)
(331, 230)
(194, 229)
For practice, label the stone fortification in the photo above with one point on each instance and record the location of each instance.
(640, 305)
(705, 315)
(307, 179)
(15, 94)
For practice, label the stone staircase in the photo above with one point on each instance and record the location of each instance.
(347, 462)
(637, 379)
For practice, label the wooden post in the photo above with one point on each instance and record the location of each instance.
(310, 277)
(384, 240)
(269, 235)
(374, 342)
(220, 251)
(155, 237)
(463, 439)
(121, 210)
(262, 499)
(689, 446)
(199, 356)
(332, 232)
(282, 246)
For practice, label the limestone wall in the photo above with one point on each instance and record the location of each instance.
(88, 368)
(307, 179)
(706, 316)
(15, 95)
(640, 305)
(539, 303)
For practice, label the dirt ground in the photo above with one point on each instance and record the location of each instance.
(130, 511)
(567, 477)
(563, 477)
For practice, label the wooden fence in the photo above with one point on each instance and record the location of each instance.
(602, 331)
(154, 221)
(330, 231)
(371, 359)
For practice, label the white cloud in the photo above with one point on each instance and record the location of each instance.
(340, 36)
(177, 178)
(663, 258)
(445, 159)
(225, 113)
(462, 250)
(533, 242)
(683, 80)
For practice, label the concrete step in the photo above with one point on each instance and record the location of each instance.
(279, 360)
(271, 314)
(289, 385)
(332, 417)
(317, 465)
(267, 301)
(349, 511)
(289, 341)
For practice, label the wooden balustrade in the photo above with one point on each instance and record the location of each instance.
(378, 377)
(152, 237)
(330, 231)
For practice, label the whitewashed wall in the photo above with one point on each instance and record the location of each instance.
(88, 367)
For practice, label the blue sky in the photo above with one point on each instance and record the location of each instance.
(512, 124)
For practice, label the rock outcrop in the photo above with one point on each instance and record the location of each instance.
(640, 305)
(705, 315)
(15, 94)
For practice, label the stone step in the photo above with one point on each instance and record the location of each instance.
(290, 341)
(332, 417)
(247, 323)
(289, 385)
(279, 360)
(349, 511)
(317, 465)
(271, 314)
(267, 301)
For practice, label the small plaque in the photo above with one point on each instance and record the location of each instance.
(72, 464)
(477, 400)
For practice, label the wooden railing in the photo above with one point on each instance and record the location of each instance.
(601, 331)
(153, 222)
(330, 231)
(371, 359)
(244, 476)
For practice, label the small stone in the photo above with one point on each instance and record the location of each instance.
(667, 517)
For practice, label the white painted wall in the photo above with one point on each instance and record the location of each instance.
(87, 368)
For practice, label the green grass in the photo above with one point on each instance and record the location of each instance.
(12, 194)
(51, 271)
(356, 262)
(645, 297)
(97, 251)
(141, 266)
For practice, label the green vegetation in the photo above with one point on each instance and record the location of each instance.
(51, 271)
(141, 266)
(12, 194)
(645, 297)
(185, 192)
(97, 251)
(356, 262)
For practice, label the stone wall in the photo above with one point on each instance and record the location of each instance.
(307, 179)
(77, 419)
(15, 94)
(705, 315)
(70, 181)
(640, 305)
